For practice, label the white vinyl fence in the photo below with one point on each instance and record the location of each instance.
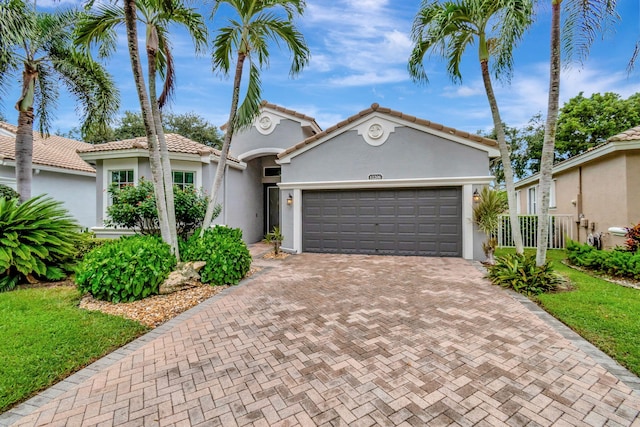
(561, 228)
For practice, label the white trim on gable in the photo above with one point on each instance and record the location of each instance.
(259, 152)
(398, 122)
(277, 115)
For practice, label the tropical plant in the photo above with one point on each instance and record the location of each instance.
(617, 262)
(581, 25)
(127, 269)
(275, 238)
(520, 273)
(486, 215)
(134, 207)
(633, 238)
(447, 29)
(41, 44)
(227, 256)
(248, 39)
(7, 192)
(99, 26)
(38, 240)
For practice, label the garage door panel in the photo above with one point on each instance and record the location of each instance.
(401, 221)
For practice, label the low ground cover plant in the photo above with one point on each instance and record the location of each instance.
(520, 273)
(227, 256)
(127, 269)
(38, 241)
(617, 262)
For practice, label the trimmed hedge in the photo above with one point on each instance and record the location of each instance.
(617, 262)
(127, 269)
(227, 256)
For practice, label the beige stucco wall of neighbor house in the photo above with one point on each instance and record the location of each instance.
(633, 188)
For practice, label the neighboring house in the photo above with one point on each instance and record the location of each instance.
(58, 171)
(379, 182)
(598, 188)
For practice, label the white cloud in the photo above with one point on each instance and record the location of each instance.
(370, 78)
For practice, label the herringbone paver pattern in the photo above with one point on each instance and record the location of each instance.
(353, 340)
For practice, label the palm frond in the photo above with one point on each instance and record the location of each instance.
(46, 96)
(169, 78)
(250, 106)
(583, 21)
(224, 45)
(98, 27)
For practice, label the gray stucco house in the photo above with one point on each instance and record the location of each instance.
(379, 182)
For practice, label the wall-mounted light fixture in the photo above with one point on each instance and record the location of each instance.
(289, 200)
(476, 196)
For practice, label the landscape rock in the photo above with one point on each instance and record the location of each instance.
(183, 277)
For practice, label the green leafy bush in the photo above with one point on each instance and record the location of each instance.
(134, 206)
(520, 273)
(88, 242)
(227, 256)
(617, 262)
(8, 192)
(127, 269)
(38, 240)
(633, 238)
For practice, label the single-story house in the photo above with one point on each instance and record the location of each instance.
(58, 171)
(379, 182)
(598, 188)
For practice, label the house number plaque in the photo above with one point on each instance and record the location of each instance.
(375, 176)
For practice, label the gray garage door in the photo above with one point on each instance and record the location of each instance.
(425, 221)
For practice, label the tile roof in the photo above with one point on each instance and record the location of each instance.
(54, 151)
(175, 143)
(378, 108)
(632, 134)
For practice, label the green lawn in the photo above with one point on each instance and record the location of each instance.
(44, 337)
(606, 314)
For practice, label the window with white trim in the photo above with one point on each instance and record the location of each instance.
(518, 202)
(552, 194)
(533, 200)
(122, 177)
(183, 179)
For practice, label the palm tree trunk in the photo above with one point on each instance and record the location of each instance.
(222, 163)
(154, 154)
(548, 146)
(167, 177)
(24, 135)
(506, 157)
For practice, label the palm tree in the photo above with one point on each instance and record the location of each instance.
(247, 38)
(583, 22)
(447, 29)
(41, 43)
(486, 215)
(156, 15)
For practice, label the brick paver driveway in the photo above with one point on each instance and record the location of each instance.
(351, 340)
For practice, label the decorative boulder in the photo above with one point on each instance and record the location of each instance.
(182, 277)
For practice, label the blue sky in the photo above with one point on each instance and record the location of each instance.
(359, 53)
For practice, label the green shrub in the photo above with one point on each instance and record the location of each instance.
(38, 240)
(617, 262)
(227, 256)
(127, 269)
(134, 206)
(520, 273)
(8, 192)
(633, 238)
(88, 242)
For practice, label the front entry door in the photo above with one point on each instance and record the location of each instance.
(271, 207)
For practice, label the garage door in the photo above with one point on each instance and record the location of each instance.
(425, 221)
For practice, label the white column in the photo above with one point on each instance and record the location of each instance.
(467, 221)
(297, 220)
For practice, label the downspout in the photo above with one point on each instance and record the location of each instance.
(579, 202)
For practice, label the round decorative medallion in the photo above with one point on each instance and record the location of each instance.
(265, 122)
(375, 131)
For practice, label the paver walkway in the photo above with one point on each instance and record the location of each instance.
(352, 340)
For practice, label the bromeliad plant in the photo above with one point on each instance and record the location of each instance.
(275, 238)
(520, 273)
(633, 238)
(38, 240)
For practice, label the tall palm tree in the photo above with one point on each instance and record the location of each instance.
(100, 26)
(583, 21)
(447, 29)
(247, 38)
(41, 43)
